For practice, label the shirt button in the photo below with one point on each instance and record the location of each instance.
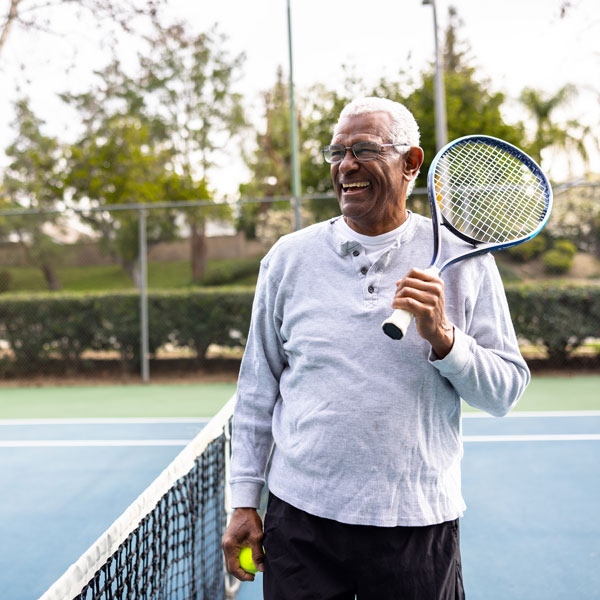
(371, 289)
(364, 270)
(355, 253)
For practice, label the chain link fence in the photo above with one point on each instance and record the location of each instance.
(143, 290)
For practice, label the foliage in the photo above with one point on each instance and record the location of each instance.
(270, 163)
(471, 104)
(558, 316)
(30, 15)
(474, 106)
(59, 328)
(271, 225)
(576, 214)
(46, 329)
(34, 179)
(177, 109)
(528, 250)
(566, 247)
(557, 262)
(549, 132)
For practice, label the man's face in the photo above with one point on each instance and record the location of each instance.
(372, 194)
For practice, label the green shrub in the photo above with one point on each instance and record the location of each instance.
(230, 271)
(61, 327)
(566, 247)
(529, 250)
(558, 316)
(557, 262)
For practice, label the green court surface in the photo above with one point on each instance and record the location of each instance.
(177, 400)
(568, 392)
(580, 392)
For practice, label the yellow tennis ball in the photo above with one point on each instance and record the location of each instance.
(246, 561)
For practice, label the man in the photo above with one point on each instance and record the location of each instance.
(363, 433)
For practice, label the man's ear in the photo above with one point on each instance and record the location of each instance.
(413, 159)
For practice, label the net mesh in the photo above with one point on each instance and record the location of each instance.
(172, 550)
(488, 194)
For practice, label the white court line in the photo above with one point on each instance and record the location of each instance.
(89, 443)
(558, 437)
(540, 413)
(106, 421)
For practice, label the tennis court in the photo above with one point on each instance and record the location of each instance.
(73, 459)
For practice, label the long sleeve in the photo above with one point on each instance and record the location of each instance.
(258, 389)
(485, 366)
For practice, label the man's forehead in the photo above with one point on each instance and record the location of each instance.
(372, 124)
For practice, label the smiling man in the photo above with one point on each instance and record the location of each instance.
(361, 434)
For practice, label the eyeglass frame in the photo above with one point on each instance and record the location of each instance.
(346, 148)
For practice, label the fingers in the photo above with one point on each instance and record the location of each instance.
(420, 292)
(244, 529)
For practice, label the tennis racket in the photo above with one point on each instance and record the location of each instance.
(488, 193)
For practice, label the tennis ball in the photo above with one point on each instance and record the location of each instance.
(246, 561)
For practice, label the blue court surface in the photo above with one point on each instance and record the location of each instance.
(531, 482)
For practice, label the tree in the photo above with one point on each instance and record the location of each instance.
(43, 17)
(270, 161)
(181, 95)
(188, 83)
(471, 104)
(119, 164)
(549, 132)
(34, 180)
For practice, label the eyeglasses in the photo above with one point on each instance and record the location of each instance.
(363, 151)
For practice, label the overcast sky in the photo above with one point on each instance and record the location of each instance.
(515, 43)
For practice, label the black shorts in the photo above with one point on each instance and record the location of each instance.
(310, 558)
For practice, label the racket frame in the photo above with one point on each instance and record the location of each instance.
(397, 323)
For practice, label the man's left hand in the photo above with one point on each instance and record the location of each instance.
(422, 294)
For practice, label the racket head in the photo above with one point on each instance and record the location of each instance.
(488, 192)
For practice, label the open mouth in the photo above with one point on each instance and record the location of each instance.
(354, 186)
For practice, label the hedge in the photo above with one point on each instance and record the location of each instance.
(557, 316)
(60, 327)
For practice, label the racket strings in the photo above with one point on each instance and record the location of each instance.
(482, 215)
(487, 194)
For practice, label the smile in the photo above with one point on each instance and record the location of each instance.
(358, 184)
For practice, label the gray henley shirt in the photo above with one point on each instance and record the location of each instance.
(358, 427)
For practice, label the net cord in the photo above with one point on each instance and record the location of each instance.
(83, 570)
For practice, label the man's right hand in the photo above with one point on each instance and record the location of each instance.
(244, 529)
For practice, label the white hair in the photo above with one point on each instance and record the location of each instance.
(404, 129)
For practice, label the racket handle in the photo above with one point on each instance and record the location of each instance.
(397, 323)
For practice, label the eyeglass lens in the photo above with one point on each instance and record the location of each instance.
(362, 151)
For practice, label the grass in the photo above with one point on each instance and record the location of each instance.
(161, 275)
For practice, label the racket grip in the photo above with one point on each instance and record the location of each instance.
(397, 323)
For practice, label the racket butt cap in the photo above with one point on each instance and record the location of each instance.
(392, 330)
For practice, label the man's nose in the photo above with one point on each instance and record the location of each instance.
(349, 162)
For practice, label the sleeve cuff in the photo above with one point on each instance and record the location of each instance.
(458, 357)
(246, 494)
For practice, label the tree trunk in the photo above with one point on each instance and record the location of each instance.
(197, 250)
(10, 18)
(50, 276)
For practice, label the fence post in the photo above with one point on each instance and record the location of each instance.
(143, 262)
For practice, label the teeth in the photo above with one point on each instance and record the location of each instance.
(358, 184)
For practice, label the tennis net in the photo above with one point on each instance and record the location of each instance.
(167, 544)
